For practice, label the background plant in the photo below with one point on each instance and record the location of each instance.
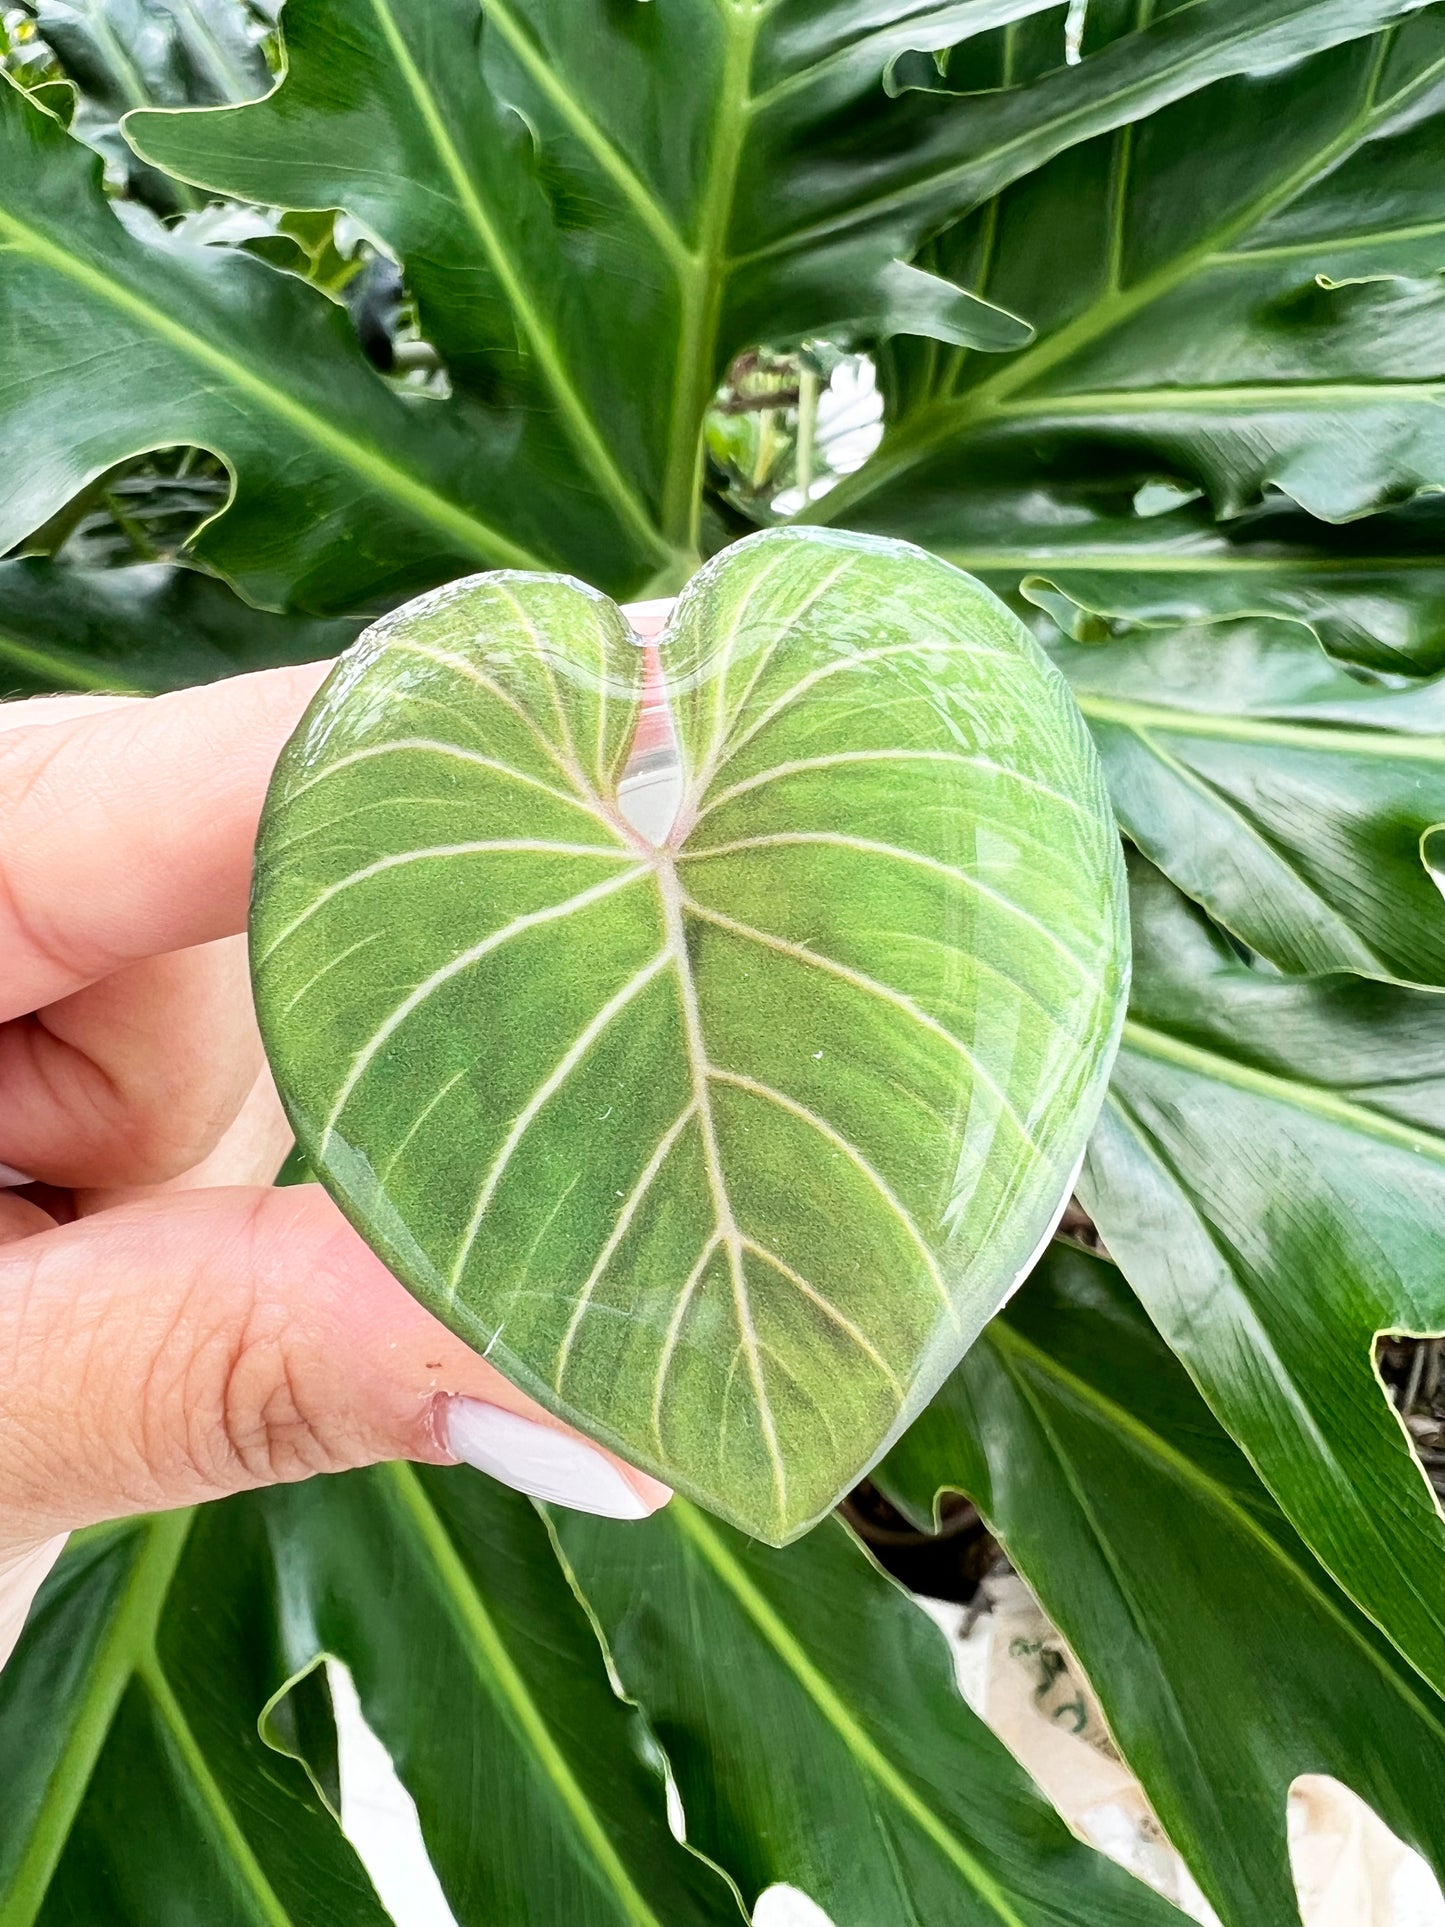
(1154, 301)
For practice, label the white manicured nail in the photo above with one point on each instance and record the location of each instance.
(10, 1176)
(539, 1460)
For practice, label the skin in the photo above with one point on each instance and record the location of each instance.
(172, 1329)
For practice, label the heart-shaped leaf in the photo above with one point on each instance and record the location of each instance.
(723, 1148)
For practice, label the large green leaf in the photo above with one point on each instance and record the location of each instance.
(136, 1792)
(809, 1713)
(1285, 795)
(723, 1148)
(1269, 1171)
(1226, 1659)
(139, 630)
(135, 1789)
(124, 54)
(597, 208)
(538, 1790)
(779, 191)
(347, 492)
(1236, 295)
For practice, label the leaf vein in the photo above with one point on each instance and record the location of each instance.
(544, 1092)
(630, 1208)
(425, 989)
(770, 1095)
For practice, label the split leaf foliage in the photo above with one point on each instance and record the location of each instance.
(1161, 342)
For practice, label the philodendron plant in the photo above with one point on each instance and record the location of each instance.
(725, 1146)
(731, 1136)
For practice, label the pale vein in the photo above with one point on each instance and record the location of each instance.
(548, 1089)
(550, 914)
(619, 1231)
(855, 1157)
(866, 846)
(488, 846)
(871, 987)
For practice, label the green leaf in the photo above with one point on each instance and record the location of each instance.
(150, 53)
(1372, 592)
(1238, 295)
(135, 1790)
(1269, 1171)
(1226, 1660)
(134, 1786)
(723, 1149)
(538, 1790)
(721, 174)
(139, 630)
(124, 54)
(157, 342)
(1285, 795)
(506, 147)
(810, 1716)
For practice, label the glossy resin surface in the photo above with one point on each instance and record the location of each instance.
(723, 1146)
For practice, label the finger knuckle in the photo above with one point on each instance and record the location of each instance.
(255, 1405)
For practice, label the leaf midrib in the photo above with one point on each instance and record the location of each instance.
(270, 1908)
(1153, 1444)
(1295, 1092)
(132, 82)
(870, 1757)
(584, 431)
(1335, 739)
(1279, 395)
(1078, 1489)
(416, 497)
(725, 1223)
(862, 212)
(1351, 948)
(644, 203)
(60, 671)
(918, 437)
(1121, 559)
(130, 1636)
(500, 1673)
(703, 285)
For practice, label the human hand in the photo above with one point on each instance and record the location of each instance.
(172, 1328)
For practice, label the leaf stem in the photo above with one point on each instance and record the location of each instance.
(702, 285)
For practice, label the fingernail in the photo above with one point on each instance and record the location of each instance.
(9, 1177)
(539, 1460)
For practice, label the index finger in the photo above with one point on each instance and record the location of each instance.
(127, 833)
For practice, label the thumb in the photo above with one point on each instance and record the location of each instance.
(190, 1345)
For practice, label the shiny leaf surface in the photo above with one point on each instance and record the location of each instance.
(1239, 295)
(124, 54)
(1372, 592)
(538, 1790)
(589, 261)
(781, 194)
(809, 1712)
(723, 1148)
(136, 1789)
(1285, 795)
(1226, 1659)
(1269, 1171)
